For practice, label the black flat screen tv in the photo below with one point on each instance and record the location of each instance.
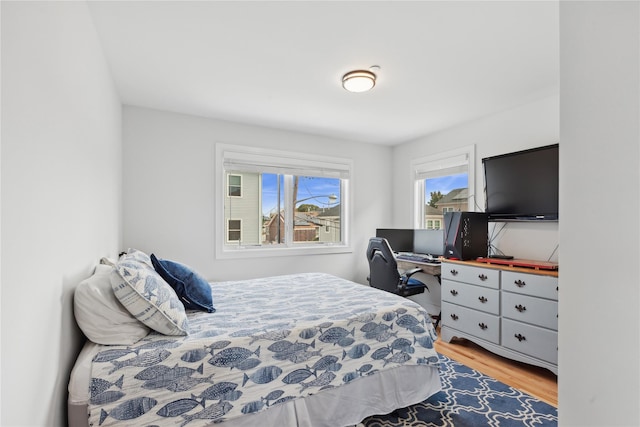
(522, 186)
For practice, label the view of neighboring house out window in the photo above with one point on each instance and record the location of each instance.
(443, 182)
(290, 201)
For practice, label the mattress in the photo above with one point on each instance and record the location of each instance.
(299, 350)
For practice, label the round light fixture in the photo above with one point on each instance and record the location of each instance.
(359, 81)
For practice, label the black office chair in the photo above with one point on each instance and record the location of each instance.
(384, 274)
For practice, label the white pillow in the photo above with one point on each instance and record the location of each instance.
(137, 255)
(100, 315)
(147, 296)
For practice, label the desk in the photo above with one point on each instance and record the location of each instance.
(427, 268)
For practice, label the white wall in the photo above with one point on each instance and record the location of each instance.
(169, 192)
(599, 324)
(61, 196)
(532, 125)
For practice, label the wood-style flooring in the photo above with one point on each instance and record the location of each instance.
(538, 382)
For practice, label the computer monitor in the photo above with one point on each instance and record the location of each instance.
(400, 239)
(429, 242)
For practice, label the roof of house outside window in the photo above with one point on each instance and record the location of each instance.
(455, 196)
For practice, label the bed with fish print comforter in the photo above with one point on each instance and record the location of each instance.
(271, 341)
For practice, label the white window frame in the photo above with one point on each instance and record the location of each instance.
(441, 164)
(237, 158)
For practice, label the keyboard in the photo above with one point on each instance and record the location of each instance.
(418, 258)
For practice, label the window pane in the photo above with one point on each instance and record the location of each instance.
(317, 214)
(444, 194)
(242, 214)
(272, 208)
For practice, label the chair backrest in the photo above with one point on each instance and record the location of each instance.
(383, 269)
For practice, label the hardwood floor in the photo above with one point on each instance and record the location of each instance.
(538, 382)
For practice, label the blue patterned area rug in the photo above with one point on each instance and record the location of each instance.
(471, 399)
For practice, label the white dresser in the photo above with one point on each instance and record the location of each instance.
(510, 311)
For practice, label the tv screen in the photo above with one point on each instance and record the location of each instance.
(522, 186)
(400, 239)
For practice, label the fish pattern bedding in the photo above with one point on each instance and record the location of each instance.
(269, 341)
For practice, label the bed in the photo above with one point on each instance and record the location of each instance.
(294, 350)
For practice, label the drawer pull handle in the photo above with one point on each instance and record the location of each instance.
(520, 337)
(482, 299)
(454, 316)
(482, 326)
(454, 292)
(520, 283)
(482, 277)
(521, 308)
(454, 272)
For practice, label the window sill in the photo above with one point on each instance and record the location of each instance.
(262, 251)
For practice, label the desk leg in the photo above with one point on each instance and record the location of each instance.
(439, 317)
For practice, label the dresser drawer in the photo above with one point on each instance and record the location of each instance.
(536, 311)
(475, 275)
(481, 325)
(531, 340)
(476, 297)
(530, 284)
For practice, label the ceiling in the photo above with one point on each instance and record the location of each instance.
(279, 63)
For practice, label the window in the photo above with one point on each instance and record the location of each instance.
(290, 202)
(234, 186)
(443, 183)
(433, 224)
(234, 230)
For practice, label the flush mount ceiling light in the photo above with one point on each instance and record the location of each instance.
(359, 81)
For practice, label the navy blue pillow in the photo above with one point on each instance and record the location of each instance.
(193, 290)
